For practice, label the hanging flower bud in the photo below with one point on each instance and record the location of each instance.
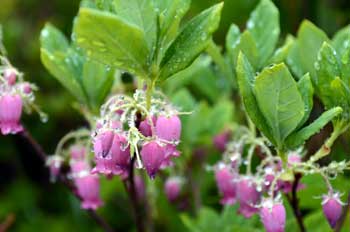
(221, 140)
(26, 88)
(10, 76)
(332, 208)
(273, 216)
(10, 114)
(225, 180)
(153, 154)
(112, 154)
(248, 197)
(173, 188)
(54, 163)
(168, 128)
(145, 126)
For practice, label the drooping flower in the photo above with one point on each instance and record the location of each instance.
(225, 180)
(54, 163)
(221, 140)
(78, 152)
(145, 126)
(10, 114)
(248, 197)
(332, 208)
(273, 216)
(152, 154)
(172, 188)
(168, 128)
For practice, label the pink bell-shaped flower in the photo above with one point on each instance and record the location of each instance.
(172, 188)
(10, 114)
(145, 126)
(78, 152)
(225, 180)
(248, 197)
(152, 154)
(332, 208)
(168, 128)
(221, 140)
(273, 216)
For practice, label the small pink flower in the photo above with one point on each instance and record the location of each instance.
(10, 114)
(78, 152)
(221, 140)
(273, 216)
(332, 208)
(172, 188)
(27, 89)
(168, 128)
(153, 154)
(145, 126)
(225, 180)
(293, 158)
(10, 76)
(54, 163)
(248, 197)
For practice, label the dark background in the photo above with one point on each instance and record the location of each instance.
(26, 196)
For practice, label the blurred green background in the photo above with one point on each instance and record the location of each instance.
(27, 199)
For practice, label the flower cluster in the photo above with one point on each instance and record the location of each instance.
(126, 127)
(15, 94)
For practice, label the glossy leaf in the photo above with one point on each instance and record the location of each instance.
(298, 138)
(112, 41)
(279, 100)
(341, 40)
(191, 41)
(140, 13)
(264, 26)
(246, 78)
(307, 91)
(281, 54)
(341, 96)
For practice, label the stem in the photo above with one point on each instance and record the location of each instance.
(131, 189)
(339, 128)
(294, 202)
(341, 221)
(149, 91)
(41, 153)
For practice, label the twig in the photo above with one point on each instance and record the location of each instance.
(343, 215)
(294, 202)
(25, 134)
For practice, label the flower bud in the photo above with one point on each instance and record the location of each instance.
(248, 197)
(332, 208)
(10, 114)
(221, 140)
(168, 128)
(26, 88)
(173, 188)
(273, 216)
(54, 163)
(153, 154)
(226, 184)
(145, 126)
(10, 76)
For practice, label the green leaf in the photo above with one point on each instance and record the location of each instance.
(345, 65)
(264, 26)
(56, 55)
(341, 96)
(294, 62)
(232, 40)
(282, 52)
(112, 41)
(246, 78)
(192, 40)
(97, 82)
(341, 40)
(279, 100)
(140, 13)
(310, 40)
(328, 69)
(307, 91)
(220, 116)
(296, 139)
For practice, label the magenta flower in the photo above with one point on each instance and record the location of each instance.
(293, 158)
(168, 128)
(26, 88)
(332, 208)
(77, 152)
(172, 188)
(221, 140)
(10, 76)
(248, 197)
(273, 216)
(145, 126)
(153, 154)
(10, 114)
(225, 180)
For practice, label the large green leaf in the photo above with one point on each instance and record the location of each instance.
(56, 56)
(232, 40)
(279, 100)
(341, 40)
(192, 40)
(265, 29)
(341, 96)
(310, 40)
(345, 65)
(246, 78)
(112, 41)
(140, 13)
(307, 91)
(281, 54)
(297, 138)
